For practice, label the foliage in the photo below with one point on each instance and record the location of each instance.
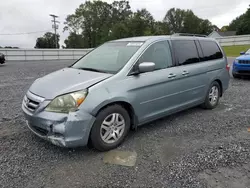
(11, 47)
(47, 41)
(224, 28)
(95, 22)
(185, 21)
(74, 40)
(241, 24)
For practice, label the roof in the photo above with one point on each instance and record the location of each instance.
(141, 38)
(227, 33)
(224, 34)
(146, 38)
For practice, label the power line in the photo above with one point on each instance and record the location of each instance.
(27, 33)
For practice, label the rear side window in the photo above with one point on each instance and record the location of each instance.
(210, 50)
(185, 52)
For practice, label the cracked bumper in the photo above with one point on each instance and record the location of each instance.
(64, 130)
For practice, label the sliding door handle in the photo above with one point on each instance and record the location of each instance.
(185, 73)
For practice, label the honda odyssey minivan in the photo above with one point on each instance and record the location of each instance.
(123, 84)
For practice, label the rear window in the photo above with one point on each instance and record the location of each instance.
(210, 50)
(185, 51)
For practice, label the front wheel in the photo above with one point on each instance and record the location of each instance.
(110, 128)
(213, 96)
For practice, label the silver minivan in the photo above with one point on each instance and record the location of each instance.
(123, 84)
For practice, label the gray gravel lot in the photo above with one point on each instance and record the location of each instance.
(194, 148)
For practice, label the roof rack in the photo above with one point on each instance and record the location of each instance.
(189, 34)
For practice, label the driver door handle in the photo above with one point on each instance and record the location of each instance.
(171, 75)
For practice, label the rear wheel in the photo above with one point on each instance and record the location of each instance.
(213, 96)
(110, 128)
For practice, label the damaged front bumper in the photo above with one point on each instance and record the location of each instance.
(65, 130)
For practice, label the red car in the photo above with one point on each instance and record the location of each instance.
(2, 58)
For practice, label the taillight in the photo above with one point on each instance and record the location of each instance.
(228, 67)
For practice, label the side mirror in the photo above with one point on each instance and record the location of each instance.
(146, 67)
(242, 53)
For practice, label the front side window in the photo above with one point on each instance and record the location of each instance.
(248, 51)
(110, 57)
(210, 50)
(158, 53)
(185, 51)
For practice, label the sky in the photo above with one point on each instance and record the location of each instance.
(24, 16)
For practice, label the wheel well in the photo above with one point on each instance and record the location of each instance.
(128, 107)
(221, 88)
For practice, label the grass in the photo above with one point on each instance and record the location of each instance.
(234, 51)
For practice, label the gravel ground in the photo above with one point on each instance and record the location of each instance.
(194, 148)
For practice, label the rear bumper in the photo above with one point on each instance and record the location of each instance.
(64, 130)
(241, 69)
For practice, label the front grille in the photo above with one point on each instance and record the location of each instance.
(244, 61)
(32, 104)
(32, 101)
(244, 71)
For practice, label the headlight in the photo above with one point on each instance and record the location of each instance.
(67, 103)
(236, 61)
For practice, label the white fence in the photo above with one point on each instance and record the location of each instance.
(234, 40)
(42, 54)
(72, 54)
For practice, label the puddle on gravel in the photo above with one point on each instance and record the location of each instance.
(123, 158)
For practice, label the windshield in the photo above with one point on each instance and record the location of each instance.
(248, 52)
(109, 57)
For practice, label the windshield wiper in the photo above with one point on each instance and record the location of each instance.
(91, 69)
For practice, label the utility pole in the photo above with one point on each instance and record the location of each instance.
(55, 26)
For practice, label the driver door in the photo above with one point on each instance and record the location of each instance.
(155, 93)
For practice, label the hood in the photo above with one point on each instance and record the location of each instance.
(244, 57)
(65, 81)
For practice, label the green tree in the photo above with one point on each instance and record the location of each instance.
(191, 22)
(98, 22)
(244, 25)
(12, 47)
(141, 23)
(47, 41)
(174, 18)
(74, 41)
(160, 28)
(185, 21)
(234, 25)
(92, 20)
(206, 27)
(241, 24)
(224, 28)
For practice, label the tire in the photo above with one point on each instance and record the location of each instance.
(212, 103)
(110, 128)
(236, 76)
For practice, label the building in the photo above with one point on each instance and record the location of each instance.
(219, 34)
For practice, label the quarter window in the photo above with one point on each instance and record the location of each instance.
(210, 50)
(158, 53)
(186, 52)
